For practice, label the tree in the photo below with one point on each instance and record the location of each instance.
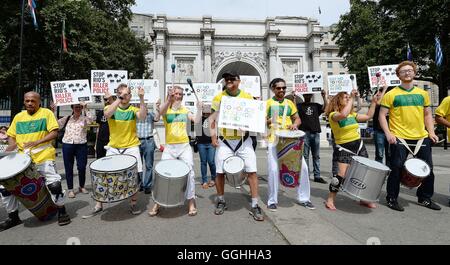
(98, 38)
(377, 32)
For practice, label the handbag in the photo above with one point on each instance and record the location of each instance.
(62, 131)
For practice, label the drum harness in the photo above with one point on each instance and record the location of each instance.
(416, 150)
(340, 148)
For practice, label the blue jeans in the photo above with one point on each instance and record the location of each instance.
(312, 142)
(147, 151)
(70, 152)
(207, 153)
(381, 146)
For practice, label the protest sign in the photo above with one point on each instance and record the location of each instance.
(151, 89)
(387, 75)
(341, 83)
(102, 80)
(307, 83)
(246, 114)
(251, 84)
(70, 92)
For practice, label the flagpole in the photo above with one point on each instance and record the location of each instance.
(19, 89)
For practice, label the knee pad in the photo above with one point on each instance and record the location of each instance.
(55, 188)
(336, 183)
(4, 192)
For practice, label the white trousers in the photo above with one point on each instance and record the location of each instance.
(184, 153)
(46, 169)
(303, 190)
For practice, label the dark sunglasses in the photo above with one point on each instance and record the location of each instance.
(282, 87)
(231, 79)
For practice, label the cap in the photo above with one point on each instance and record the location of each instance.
(230, 74)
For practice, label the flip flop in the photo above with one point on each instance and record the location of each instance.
(328, 207)
(154, 212)
(193, 212)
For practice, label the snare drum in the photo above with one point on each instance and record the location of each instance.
(114, 178)
(170, 182)
(289, 154)
(364, 178)
(233, 168)
(414, 171)
(20, 177)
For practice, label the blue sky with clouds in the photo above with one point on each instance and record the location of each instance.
(259, 9)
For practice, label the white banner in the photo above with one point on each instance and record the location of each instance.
(102, 80)
(70, 92)
(341, 83)
(387, 75)
(205, 92)
(307, 83)
(151, 88)
(246, 114)
(251, 84)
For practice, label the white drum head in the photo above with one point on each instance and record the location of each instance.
(233, 165)
(417, 167)
(113, 163)
(13, 164)
(371, 163)
(290, 134)
(172, 168)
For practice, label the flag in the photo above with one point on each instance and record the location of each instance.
(63, 36)
(409, 53)
(32, 6)
(320, 11)
(439, 56)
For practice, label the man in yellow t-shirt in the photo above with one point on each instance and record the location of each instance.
(32, 131)
(410, 118)
(123, 138)
(442, 115)
(233, 139)
(177, 120)
(276, 120)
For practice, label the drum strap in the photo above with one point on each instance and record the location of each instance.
(238, 145)
(416, 149)
(283, 122)
(348, 151)
(37, 149)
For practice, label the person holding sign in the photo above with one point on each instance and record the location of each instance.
(228, 140)
(276, 106)
(122, 128)
(32, 131)
(345, 128)
(176, 118)
(410, 124)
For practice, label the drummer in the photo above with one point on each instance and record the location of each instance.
(411, 119)
(122, 127)
(32, 131)
(176, 119)
(345, 128)
(275, 110)
(233, 138)
(442, 116)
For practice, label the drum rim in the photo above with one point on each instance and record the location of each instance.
(377, 169)
(167, 160)
(277, 133)
(120, 170)
(243, 167)
(404, 167)
(25, 168)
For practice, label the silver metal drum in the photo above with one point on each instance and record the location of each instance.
(365, 178)
(170, 182)
(233, 167)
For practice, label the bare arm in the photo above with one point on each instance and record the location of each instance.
(325, 100)
(142, 113)
(12, 145)
(384, 125)
(442, 120)
(297, 122)
(198, 115)
(52, 135)
(369, 115)
(429, 124)
(212, 128)
(157, 115)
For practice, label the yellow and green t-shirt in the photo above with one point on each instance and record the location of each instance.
(122, 128)
(346, 130)
(275, 107)
(228, 134)
(406, 112)
(29, 128)
(176, 122)
(444, 111)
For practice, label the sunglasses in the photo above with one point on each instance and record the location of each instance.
(281, 87)
(231, 79)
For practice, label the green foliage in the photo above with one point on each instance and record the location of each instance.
(377, 33)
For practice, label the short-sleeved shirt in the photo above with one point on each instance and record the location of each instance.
(309, 113)
(275, 107)
(406, 112)
(176, 122)
(122, 128)
(145, 128)
(346, 130)
(229, 134)
(444, 111)
(29, 128)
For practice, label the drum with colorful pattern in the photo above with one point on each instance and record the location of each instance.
(289, 154)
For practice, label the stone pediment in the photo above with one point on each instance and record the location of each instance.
(256, 57)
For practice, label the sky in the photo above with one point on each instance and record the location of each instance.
(250, 9)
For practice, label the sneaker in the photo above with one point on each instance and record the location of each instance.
(429, 204)
(272, 207)
(257, 213)
(134, 209)
(393, 204)
(307, 205)
(320, 180)
(220, 208)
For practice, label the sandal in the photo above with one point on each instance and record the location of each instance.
(205, 185)
(369, 205)
(155, 210)
(329, 207)
(212, 183)
(193, 212)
